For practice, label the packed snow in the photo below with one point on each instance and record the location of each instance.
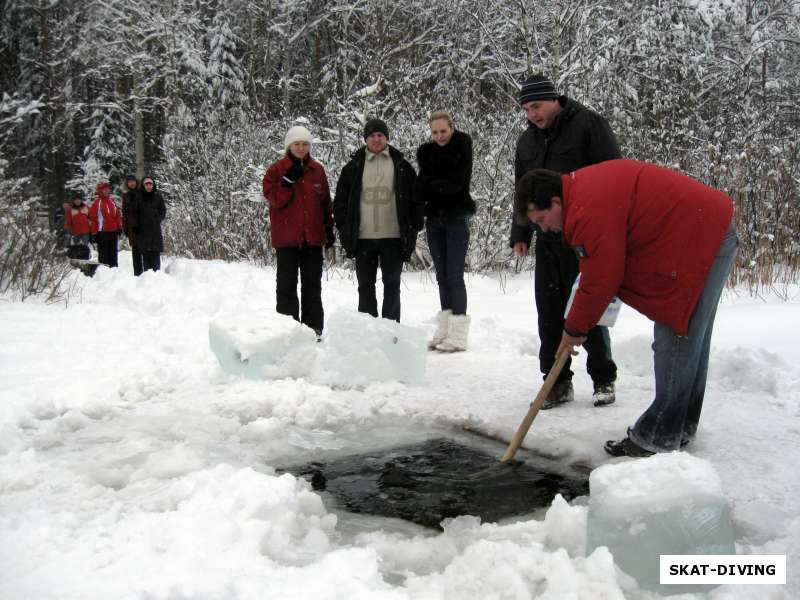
(134, 464)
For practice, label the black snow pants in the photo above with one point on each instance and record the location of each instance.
(308, 261)
(555, 272)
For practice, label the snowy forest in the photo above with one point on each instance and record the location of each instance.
(199, 94)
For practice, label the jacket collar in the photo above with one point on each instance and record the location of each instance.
(394, 153)
(287, 161)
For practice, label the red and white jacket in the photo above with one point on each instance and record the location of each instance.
(299, 213)
(644, 233)
(103, 213)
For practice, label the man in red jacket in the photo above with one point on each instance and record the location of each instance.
(665, 245)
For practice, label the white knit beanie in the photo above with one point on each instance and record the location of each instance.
(298, 133)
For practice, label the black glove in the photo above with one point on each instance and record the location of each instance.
(93, 238)
(294, 173)
(330, 237)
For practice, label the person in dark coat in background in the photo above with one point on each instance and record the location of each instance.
(129, 199)
(378, 217)
(562, 135)
(445, 171)
(148, 212)
(665, 244)
(296, 189)
(106, 221)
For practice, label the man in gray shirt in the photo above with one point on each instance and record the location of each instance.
(377, 217)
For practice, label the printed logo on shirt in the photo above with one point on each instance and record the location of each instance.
(379, 198)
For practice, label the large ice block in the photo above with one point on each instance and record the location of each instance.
(358, 349)
(665, 504)
(260, 348)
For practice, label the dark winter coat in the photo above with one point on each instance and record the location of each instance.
(444, 177)
(347, 202)
(579, 137)
(148, 211)
(647, 234)
(301, 212)
(129, 200)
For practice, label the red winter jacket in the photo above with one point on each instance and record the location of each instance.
(299, 213)
(112, 219)
(644, 233)
(76, 219)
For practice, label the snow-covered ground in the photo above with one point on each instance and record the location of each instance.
(133, 467)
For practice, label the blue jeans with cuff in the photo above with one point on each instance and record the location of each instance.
(681, 365)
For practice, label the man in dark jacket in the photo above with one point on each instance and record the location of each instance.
(377, 217)
(562, 135)
(663, 243)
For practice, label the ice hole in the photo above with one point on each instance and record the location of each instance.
(442, 477)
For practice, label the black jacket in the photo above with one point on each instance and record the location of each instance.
(129, 202)
(347, 202)
(444, 177)
(148, 210)
(578, 138)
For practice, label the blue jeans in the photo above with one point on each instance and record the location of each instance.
(448, 239)
(681, 365)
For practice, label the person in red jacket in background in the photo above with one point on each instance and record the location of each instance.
(665, 244)
(76, 222)
(301, 219)
(106, 221)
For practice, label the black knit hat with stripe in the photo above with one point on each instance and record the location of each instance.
(537, 87)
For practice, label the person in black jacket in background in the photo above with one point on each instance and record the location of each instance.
(562, 135)
(378, 217)
(148, 211)
(445, 170)
(129, 200)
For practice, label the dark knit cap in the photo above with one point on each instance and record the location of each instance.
(373, 125)
(537, 87)
(131, 178)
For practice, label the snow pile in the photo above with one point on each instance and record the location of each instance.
(257, 348)
(382, 351)
(133, 466)
(665, 504)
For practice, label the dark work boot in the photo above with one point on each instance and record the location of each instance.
(561, 393)
(604, 394)
(626, 447)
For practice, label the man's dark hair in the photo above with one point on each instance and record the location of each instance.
(536, 187)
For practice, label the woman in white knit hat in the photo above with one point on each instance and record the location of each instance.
(301, 219)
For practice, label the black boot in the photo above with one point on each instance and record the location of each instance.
(604, 394)
(626, 447)
(561, 393)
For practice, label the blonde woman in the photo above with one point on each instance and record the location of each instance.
(445, 171)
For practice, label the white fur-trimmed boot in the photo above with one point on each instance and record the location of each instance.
(457, 334)
(442, 320)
